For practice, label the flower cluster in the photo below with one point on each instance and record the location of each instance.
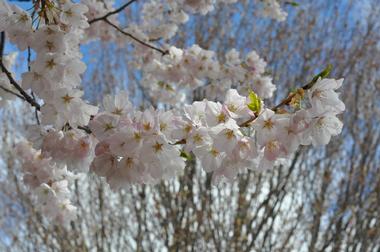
(214, 131)
(134, 147)
(226, 138)
(211, 131)
(51, 170)
(54, 77)
(50, 181)
(169, 78)
(161, 19)
(17, 23)
(55, 73)
(73, 147)
(272, 9)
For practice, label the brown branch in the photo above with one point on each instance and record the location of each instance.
(85, 128)
(134, 38)
(284, 102)
(29, 60)
(24, 94)
(2, 46)
(112, 12)
(288, 99)
(309, 85)
(11, 92)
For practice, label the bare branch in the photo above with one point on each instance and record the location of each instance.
(26, 96)
(112, 12)
(134, 38)
(11, 92)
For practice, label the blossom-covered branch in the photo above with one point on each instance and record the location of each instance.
(229, 131)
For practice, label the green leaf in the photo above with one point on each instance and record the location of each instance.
(294, 4)
(185, 155)
(254, 102)
(325, 72)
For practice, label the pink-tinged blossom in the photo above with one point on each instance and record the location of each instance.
(73, 14)
(197, 138)
(237, 105)
(323, 128)
(104, 125)
(254, 63)
(17, 24)
(125, 142)
(104, 164)
(245, 149)
(161, 159)
(226, 136)
(118, 104)
(50, 181)
(73, 148)
(68, 108)
(272, 9)
(215, 114)
(266, 126)
(210, 157)
(263, 86)
(323, 97)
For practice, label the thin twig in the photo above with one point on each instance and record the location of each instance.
(13, 93)
(85, 128)
(27, 97)
(36, 111)
(289, 98)
(323, 74)
(24, 94)
(2, 45)
(112, 12)
(34, 97)
(134, 38)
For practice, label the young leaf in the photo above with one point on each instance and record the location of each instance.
(185, 155)
(254, 102)
(325, 72)
(294, 4)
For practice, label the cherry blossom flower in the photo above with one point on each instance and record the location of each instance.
(323, 96)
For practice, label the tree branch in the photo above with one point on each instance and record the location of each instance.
(309, 85)
(11, 92)
(2, 45)
(25, 95)
(134, 38)
(288, 99)
(112, 12)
